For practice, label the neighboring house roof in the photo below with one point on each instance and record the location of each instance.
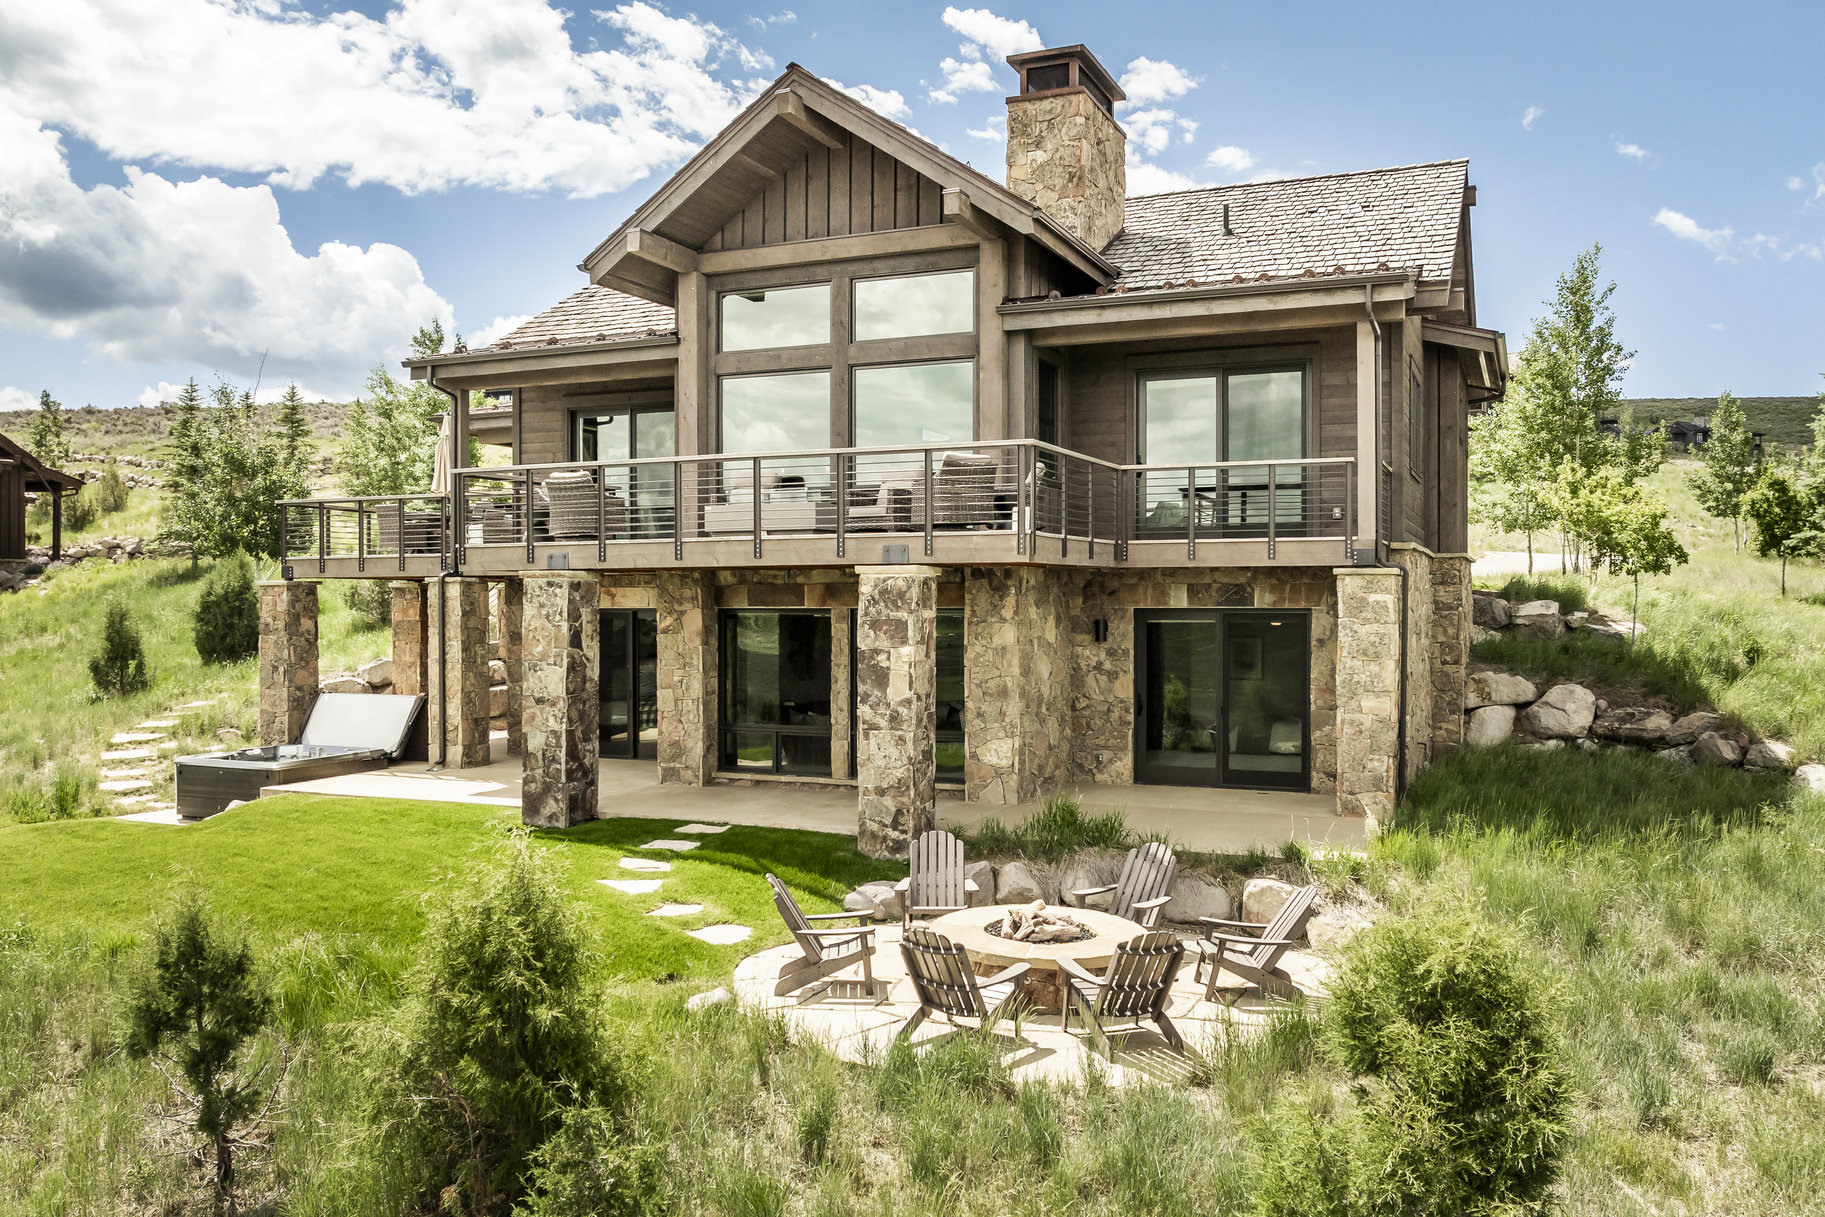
(1399, 219)
(38, 475)
(594, 314)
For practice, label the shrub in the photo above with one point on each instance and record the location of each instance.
(1572, 593)
(1056, 830)
(119, 668)
(110, 492)
(584, 1170)
(500, 1034)
(70, 793)
(227, 618)
(79, 510)
(371, 601)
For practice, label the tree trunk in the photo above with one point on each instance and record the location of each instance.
(1530, 551)
(224, 1175)
(1783, 576)
(1635, 612)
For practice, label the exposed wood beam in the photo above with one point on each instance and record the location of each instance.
(956, 207)
(792, 109)
(661, 251)
(1368, 466)
(1155, 307)
(927, 238)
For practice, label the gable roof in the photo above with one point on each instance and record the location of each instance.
(38, 475)
(1400, 219)
(593, 314)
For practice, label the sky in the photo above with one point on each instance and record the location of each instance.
(286, 188)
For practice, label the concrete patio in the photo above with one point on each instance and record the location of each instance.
(1218, 821)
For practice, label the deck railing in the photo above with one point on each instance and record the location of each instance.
(1041, 499)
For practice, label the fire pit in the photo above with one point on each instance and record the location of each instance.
(1032, 923)
(991, 951)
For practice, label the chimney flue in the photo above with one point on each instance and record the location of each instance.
(1066, 152)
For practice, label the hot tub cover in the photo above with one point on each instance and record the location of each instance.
(361, 720)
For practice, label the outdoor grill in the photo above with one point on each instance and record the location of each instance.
(345, 733)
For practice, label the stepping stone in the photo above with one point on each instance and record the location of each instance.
(633, 887)
(721, 935)
(135, 737)
(196, 705)
(133, 800)
(129, 754)
(675, 910)
(703, 829)
(157, 815)
(123, 773)
(169, 745)
(156, 724)
(668, 843)
(124, 785)
(650, 865)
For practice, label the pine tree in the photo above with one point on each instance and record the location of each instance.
(297, 452)
(1729, 466)
(186, 463)
(227, 618)
(119, 668)
(47, 440)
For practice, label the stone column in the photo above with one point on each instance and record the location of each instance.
(410, 649)
(288, 658)
(561, 703)
(688, 676)
(1450, 649)
(1417, 561)
(896, 710)
(459, 633)
(842, 761)
(513, 615)
(1017, 669)
(1368, 690)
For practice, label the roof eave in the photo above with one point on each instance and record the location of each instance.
(491, 354)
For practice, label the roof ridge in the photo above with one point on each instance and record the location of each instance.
(1309, 177)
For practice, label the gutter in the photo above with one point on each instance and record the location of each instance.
(1376, 559)
(443, 604)
(568, 348)
(1272, 287)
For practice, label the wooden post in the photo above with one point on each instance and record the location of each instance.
(1368, 468)
(56, 523)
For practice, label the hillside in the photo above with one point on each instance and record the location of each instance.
(1783, 420)
(140, 430)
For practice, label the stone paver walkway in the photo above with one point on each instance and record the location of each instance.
(722, 935)
(645, 864)
(633, 887)
(668, 843)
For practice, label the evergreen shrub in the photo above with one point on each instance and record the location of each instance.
(119, 668)
(227, 617)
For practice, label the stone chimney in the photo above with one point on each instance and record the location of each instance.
(1066, 152)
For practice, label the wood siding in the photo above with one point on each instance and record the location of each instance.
(545, 415)
(834, 192)
(12, 513)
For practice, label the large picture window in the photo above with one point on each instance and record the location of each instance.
(776, 317)
(915, 403)
(776, 692)
(1211, 417)
(784, 412)
(950, 744)
(905, 306)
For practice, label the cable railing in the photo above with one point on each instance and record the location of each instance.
(380, 532)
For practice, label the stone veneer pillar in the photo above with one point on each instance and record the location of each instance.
(1368, 690)
(1067, 156)
(561, 704)
(1451, 649)
(896, 674)
(410, 649)
(1017, 668)
(688, 676)
(842, 761)
(513, 616)
(288, 658)
(1416, 560)
(459, 671)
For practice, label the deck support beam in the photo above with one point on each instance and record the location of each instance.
(1368, 690)
(513, 650)
(895, 693)
(689, 676)
(459, 703)
(560, 706)
(288, 658)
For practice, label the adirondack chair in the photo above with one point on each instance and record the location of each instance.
(1140, 893)
(823, 951)
(1135, 988)
(1255, 953)
(935, 884)
(940, 973)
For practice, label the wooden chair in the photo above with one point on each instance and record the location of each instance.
(1135, 988)
(941, 975)
(935, 882)
(823, 951)
(1140, 893)
(1254, 954)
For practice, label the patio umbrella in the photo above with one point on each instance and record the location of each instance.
(440, 466)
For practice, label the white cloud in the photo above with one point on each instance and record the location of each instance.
(994, 128)
(163, 391)
(1530, 116)
(1796, 183)
(1818, 177)
(963, 76)
(1717, 325)
(13, 398)
(1145, 177)
(496, 330)
(1634, 152)
(783, 17)
(998, 36)
(438, 93)
(1151, 129)
(1230, 159)
(198, 272)
(1155, 80)
(889, 103)
(1717, 240)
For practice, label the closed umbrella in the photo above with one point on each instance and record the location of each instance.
(440, 465)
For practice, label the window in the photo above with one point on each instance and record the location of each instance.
(776, 692)
(1208, 417)
(624, 434)
(1047, 430)
(916, 403)
(776, 317)
(1416, 426)
(950, 749)
(780, 413)
(911, 305)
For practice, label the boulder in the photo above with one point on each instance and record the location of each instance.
(982, 874)
(1810, 777)
(498, 701)
(1195, 896)
(1262, 898)
(1489, 725)
(497, 672)
(1716, 748)
(1566, 712)
(1688, 729)
(377, 672)
(1641, 725)
(1546, 745)
(1577, 620)
(1538, 619)
(1498, 689)
(345, 684)
(1481, 634)
(888, 904)
(1678, 756)
(1770, 754)
(715, 997)
(1333, 927)
(1088, 870)
(1015, 883)
(1488, 610)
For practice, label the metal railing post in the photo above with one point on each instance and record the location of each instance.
(1349, 513)
(1191, 514)
(526, 518)
(1273, 510)
(928, 502)
(677, 511)
(602, 512)
(842, 504)
(323, 539)
(400, 512)
(757, 505)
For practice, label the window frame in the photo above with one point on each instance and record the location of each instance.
(653, 401)
(726, 727)
(1222, 364)
(960, 735)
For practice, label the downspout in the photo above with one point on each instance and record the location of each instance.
(443, 604)
(1400, 721)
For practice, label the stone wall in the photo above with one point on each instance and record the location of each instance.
(1018, 683)
(512, 635)
(896, 685)
(1069, 157)
(842, 643)
(411, 645)
(288, 658)
(1368, 690)
(688, 676)
(1451, 625)
(1421, 654)
(560, 706)
(459, 626)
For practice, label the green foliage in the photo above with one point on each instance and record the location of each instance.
(194, 1009)
(47, 439)
(499, 1035)
(1728, 465)
(391, 434)
(1616, 521)
(79, 510)
(1785, 513)
(1573, 594)
(227, 619)
(586, 1169)
(1057, 829)
(371, 600)
(109, 491)
(70, 793)
(119, 668)
(297, 452)
(225, 468)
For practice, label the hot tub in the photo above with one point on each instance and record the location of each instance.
(345, 733)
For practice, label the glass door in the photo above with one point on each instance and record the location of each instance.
(1222, 698)
(776, 691)
(629, 684)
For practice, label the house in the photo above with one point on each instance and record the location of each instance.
(852, 464)
(22, 477)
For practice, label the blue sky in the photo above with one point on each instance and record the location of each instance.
(192, 183)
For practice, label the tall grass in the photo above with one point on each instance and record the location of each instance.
(1056, 830)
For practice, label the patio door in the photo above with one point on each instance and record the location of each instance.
(629, 684)
(1222, 698)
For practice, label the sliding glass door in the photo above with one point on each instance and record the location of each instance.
(776, 691)
(1222, 698)
(1206, 418)
(629, 684)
